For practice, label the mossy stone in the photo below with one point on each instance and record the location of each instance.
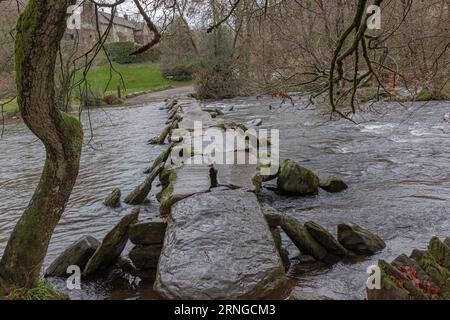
(440, 251)
(333, 184)
(113, 200)
(359, 240)
(297, 180)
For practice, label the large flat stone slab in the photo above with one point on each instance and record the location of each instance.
(184, 182)
(218, 246)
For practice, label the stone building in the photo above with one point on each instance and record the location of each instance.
(82, 26)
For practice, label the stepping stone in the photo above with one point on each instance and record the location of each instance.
(218, 246)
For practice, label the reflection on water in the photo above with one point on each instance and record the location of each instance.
(395, 161)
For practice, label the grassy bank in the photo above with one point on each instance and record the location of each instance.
(139, 77)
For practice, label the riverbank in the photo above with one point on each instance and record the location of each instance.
(11, 112)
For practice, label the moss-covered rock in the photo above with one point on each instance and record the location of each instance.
(77, 254)
(185, 182)
(333, 184)
(326, 239)
(112, 245)
(439, 274)
(297, 180)
(113, 200)
(359, 240)
(141, 192)
(302, 238)
(148, 232)
(146, 257)
(161, 158)
(394, 285)
(440, 252)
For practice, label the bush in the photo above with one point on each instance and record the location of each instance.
(216, 76)
(177, 72)
(120, 52)
(429, 95)
(111, 99)
(178, 55)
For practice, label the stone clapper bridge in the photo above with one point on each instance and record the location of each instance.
(212, 239)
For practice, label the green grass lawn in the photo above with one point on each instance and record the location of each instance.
(10, 107)
(137, 77)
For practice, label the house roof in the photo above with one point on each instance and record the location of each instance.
(105, 18)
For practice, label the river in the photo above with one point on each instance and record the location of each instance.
(396, 161)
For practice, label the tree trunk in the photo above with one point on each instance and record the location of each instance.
(39, 30)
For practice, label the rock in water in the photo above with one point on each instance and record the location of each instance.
(185, 182)
(390, 289)
(161, 158)
(302, 238)
(149, 232)
(359, 240)
(77, 254)
(403, 262)
(296, 180)
(113, 200)
(141, 192)
(305, 296)
(439, 274)
(112, 245)
(145, 257)
(440, 251)
(218, 246)
(333, 185)
(255, 122)
(326, 239)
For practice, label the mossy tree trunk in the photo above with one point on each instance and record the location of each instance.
(40, 28)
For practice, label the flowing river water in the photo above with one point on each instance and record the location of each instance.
(396, 162)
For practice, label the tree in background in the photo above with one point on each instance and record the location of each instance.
(178, 51)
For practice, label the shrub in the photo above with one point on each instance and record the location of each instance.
(429, 95)
(177, 72)
(111, 99)
(120, 52)
(216, 76)
(178, 55)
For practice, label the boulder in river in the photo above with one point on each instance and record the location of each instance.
(302, 238)
(112, 245)
(141, 192)
(306, 296)
(447, 242)
(440, 252)
(297, 180)
(333, 184)
(145, 257)
(218, 246)
(236, 176)
(394, 285)
(148, 232)
(406, 264)
(255, 122)
(113, 200)
(77, 254)
(439, 274)
(359, 240)
(161, 158)
(326, 239)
